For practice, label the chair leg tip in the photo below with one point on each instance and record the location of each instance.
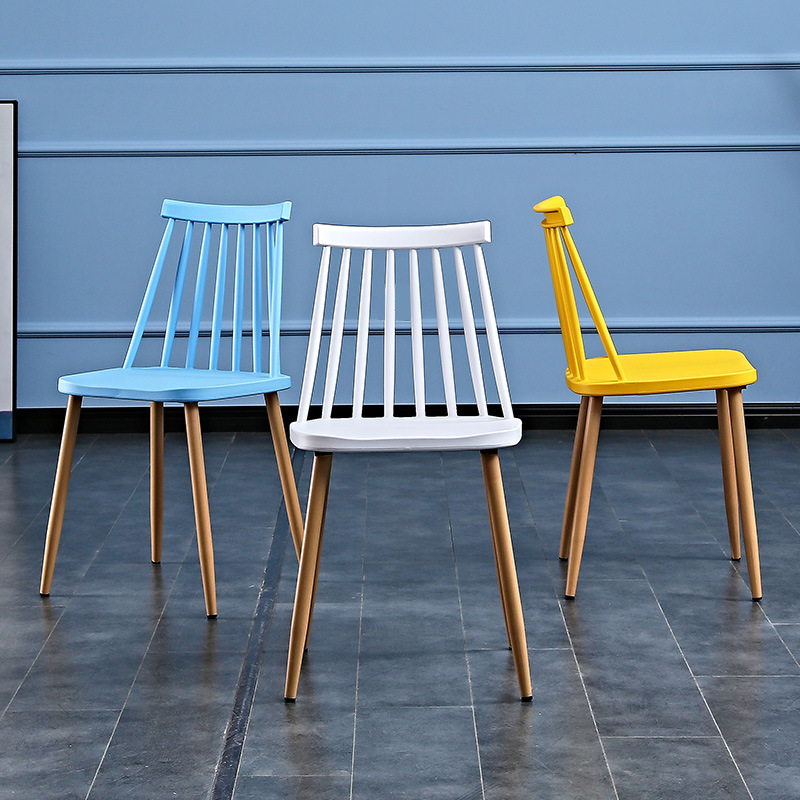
(289, 699)
(563, 558)
(155, 562)
(736, 558)
(757, 599)
(528, 699)
(44, 594)
(211, 616)
(569, 596)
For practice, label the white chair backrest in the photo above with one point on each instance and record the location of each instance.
(431, 256)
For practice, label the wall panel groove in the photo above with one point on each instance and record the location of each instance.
(695, 63)
(429, 328)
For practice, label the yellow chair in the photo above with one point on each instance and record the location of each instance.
(725, 371)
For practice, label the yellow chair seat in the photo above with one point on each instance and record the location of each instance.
(656, 373)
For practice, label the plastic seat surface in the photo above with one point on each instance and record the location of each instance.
(405, 433)
(657, 373)
(171, 384)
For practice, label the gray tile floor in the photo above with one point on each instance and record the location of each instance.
(661, 680)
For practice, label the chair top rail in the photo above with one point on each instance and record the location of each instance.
(242, 215)
(406, 237)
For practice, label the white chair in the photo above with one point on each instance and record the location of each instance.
(429, 273)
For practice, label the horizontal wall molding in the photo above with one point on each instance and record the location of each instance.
(159, 66)
(750, 144)
(506, 327)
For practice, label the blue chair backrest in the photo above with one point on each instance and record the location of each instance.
(247, 266)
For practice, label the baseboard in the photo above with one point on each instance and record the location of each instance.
(534, 416)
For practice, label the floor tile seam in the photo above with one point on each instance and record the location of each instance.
(71, 596)
(737, 566)
(618, 579)
(73, 467)
(8, 705)
(110, 531)
(292, 775)
(555, 580)
(646, 578)
(64, 608)
(45, 505)
(702, 695)
(690, 737)
(680, 649)
(623, 531)
(771, 499)
(253, 657)
(722, 544)
(582, 679)
(147, 648)
(497, 649)
(749, 677)
(701, 516)
(460, 706)
(246, 729)
(133, 684)
(360, 630)
(463, 632)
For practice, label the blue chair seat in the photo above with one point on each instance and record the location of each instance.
(171, 384)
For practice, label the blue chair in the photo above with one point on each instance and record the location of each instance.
(199, 359)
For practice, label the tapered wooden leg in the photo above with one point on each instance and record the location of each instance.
(316, 572)
(312, 540)
(156, 480)
(59, 502)
(500, 583)
(572, 486)
(285, 470)
(504, 554)
(729, 472)
(745, 486)
(583, 492)
(202, 517)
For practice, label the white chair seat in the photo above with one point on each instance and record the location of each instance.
(382, 434)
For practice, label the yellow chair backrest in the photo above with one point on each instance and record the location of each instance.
(562, 252)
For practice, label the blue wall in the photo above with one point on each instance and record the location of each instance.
(672, 129)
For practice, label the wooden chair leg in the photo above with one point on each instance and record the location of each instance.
(59, 501)
(745, 486)
(285, 470)
(729, 472)
(572, 485)
(202, 517)
(583, 492)
(156, 480)
(312, 540)
(500, 583)
(504, 553)
(316, 571)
